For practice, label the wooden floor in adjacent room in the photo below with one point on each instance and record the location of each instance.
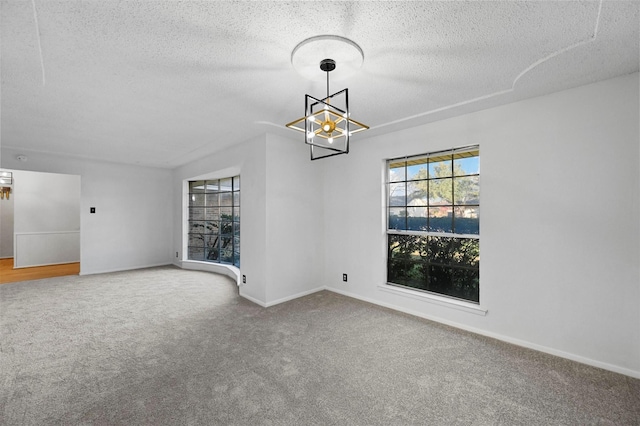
(10, 275)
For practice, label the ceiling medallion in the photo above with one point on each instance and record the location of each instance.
(327, 124)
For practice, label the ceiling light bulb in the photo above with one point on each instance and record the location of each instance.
(310, 135)
(311, 118)
(330, 140)
(326, 127)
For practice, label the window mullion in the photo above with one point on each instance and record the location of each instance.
(406, 199)
(453, 196)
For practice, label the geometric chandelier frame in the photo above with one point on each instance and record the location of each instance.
(326, 123)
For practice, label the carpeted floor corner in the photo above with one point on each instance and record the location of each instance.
(166, 346)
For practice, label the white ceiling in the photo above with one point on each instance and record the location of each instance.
(161, 83)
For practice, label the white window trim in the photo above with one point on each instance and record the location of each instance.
(431, 233)
(398, 289)
(433, 298)
(231, 172)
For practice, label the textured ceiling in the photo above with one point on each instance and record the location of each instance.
(164, 82)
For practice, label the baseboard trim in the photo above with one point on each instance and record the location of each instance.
(46, 264)
(253, 299)
(497, 336)
(295, 296)
(108, 271)
(279, 301)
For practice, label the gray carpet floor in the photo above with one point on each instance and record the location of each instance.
(166, 346)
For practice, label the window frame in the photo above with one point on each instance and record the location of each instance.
(211, 207)
(455, 237)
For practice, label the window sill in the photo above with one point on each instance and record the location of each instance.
(218, 268)
(432, 298)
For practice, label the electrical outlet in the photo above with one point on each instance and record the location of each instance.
(344, 277)
(244, 279)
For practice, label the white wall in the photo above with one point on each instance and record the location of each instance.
(295, 221)
(132, 224)
(560, 188)
(46, 202)
(281, 242)
(46, 218)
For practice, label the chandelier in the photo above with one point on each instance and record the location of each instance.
(327, 124)
(6, 180)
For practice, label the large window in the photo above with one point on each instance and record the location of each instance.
(433, 210)
(214, 220)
